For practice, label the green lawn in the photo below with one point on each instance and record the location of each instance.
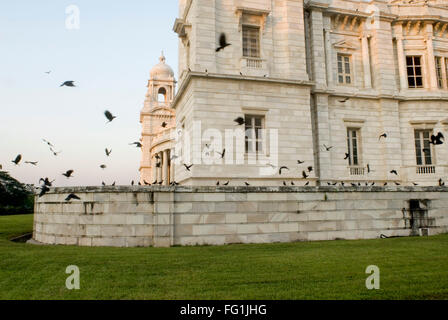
(411, 268)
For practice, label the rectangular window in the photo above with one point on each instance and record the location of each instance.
(344, 69)
(251, 42)
(439, 72)
(254, 137)
(422, 147)
(415, 75)
(446, 70)
(353, 146)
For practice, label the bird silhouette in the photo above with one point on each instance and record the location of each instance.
(34, 163)
(247, 184)
(344, 100)
(68, 84)
(240, 121)
(304, 175)
(48, 143)
(109, 116)
(310, 169)
(164, 124)
(441, 183)
(46, 182)
(222, 42)
(223, 153)
(43, 190)
(347, 155)
(394, 172)
(328, 148)
(55, 153)
(132, 182)
(103, 166)
(384, 135)
(284, 183)
(281, 169)
(307, 184)
(72, 196)
(108, 152)
(227, 183)
(17, 160)
(437, 140)
(300, 162)
(68, 174)
(188, 167)
(137, 144)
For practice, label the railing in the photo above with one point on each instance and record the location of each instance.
(255, 63)
(357, 171)
(426, 170)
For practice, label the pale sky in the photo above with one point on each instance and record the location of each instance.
(109, 58)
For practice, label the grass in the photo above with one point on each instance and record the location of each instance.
(411, 268)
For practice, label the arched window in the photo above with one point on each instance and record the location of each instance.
(161, 96)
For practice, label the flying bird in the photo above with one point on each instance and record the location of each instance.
(55, 152)
(108, 152)
(368, 168)
(46, 182)
(103, 166)
(437, 140)
(328, 148)
(68, 174)
(384, 135)
(164, 124)
(48, 142)
(300, 162)
(222, 42)
(72, 196)
(223, 153)
(347, 155)
(441, 183)
(310, 169)
(137, 144)
(344, 100)
(304, 175)
(68, 84)
(240, 121)
(187, 167)
(394, 172)
(34, 163)
(48, 72)
(17, 159)
(281, 169)
(43, 190)
(109, 116)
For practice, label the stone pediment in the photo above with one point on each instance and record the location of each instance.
(162, 111)
(345, 45)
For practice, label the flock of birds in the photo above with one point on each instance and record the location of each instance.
(45, 183)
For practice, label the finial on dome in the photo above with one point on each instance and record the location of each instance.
(162, 58)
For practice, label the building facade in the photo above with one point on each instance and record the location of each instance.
(353, 89)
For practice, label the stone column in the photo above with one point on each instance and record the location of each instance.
(317, 48)
(431, 60)
(165, 177)
(366, 61)
(154, 170)
(328, 58)
(444, 75)
(401, 62)
(159, 169)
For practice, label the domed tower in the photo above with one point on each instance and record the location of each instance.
(158, 120)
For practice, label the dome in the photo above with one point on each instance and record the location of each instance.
(162, 71)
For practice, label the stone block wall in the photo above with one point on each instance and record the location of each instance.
(167, 216)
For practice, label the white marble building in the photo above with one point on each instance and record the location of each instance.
(338, 73)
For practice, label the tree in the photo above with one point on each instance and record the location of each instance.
(15, 197)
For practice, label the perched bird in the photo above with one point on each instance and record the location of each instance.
(217, 183)
(113, 184)
(397, 184)
(394, 172)
(137, 144)
(344, 100)
(328, 148)
(385, 184)
(304, 175)
(307, 184)
(160, 182)
(292, 183)
(300, 162)
(384, 135)
(368, 168)
(132, 182)
(17, 159)
(109, 116)
(240, 121)
(222, 42)
(68, 84)
(415, 184)
(72, 196)
(158, 164)
(284, 183)
(437, 140)
(241, 74)
(108, 152)
(157, 157)
(34, 163)
(227, 183)
(353, 184)
(373, 183)
(68, 174)
(103, 183)
(310, 169)
(247, 184)
(103, 166)
(281, 169)
(187, 167)
(342, 183)
(147, 183)
(441, 183)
